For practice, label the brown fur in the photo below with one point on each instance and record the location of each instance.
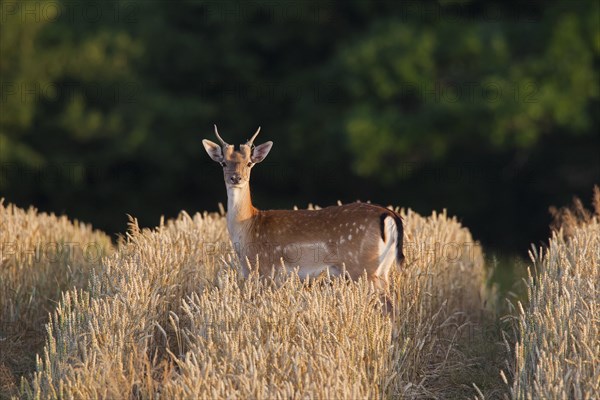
(327, 230)
(338, 238)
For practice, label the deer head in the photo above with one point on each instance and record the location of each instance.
(237, 164)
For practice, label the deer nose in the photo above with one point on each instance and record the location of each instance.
(235, 179)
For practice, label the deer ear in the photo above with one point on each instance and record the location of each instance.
(260, 152)
(214, 150)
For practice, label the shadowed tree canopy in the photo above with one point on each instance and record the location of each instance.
(487, 109)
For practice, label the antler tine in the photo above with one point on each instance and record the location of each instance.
(251, 141)
(223, 143)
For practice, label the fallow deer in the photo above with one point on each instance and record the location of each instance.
(356, 237)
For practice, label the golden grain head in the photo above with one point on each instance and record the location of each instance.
(166, 313)
(557, 351)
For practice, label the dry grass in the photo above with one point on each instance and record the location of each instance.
(41, 255)
(168, 315)
(557, 353)
(568, 219)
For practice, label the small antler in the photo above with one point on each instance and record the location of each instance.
(223, 143)
(249, 142)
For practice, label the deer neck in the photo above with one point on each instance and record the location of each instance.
(240, 211)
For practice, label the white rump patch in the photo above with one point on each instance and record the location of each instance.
(387, 249)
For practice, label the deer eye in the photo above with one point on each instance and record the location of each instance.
(223, 164)
(250, 164)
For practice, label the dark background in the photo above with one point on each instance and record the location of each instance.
(487, 109)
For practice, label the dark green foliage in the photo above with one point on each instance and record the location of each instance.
(489, 110)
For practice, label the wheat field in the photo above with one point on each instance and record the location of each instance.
(165, 313)
(41, 256)
(557, 351)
